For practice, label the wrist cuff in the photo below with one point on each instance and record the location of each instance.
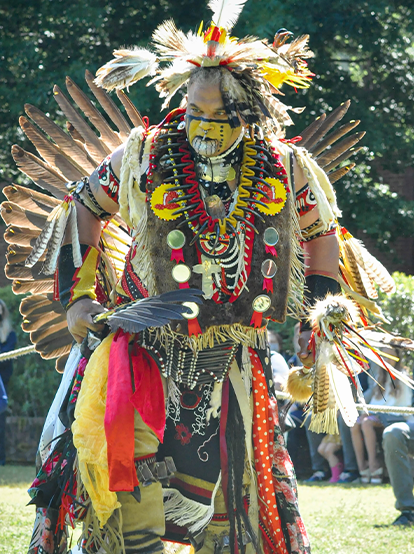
(77, 282)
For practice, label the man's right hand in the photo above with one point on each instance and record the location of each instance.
(80, 318)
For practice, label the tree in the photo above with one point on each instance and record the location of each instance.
(362, 51)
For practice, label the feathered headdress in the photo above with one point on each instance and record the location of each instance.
(255, 68)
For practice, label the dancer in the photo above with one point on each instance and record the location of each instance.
(170, 431)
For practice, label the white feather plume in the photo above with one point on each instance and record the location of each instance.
(226, 12)
(127, 67)
(343, 394)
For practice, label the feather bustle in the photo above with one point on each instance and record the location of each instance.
(111, 109)
(107, 135)
(64, 141)
(51, 153)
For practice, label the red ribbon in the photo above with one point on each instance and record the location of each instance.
(271, 250)
(177, 255)
(56, 295)
(119, 418)
(184, 285)
(256, 320)
(194, 327)
(267, 284)
(148, 400)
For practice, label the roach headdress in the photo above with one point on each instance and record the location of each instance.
(252, 70)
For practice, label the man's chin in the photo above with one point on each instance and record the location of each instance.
(205, 147)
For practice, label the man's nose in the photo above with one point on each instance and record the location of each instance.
(205, 125)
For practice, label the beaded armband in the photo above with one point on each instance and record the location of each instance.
(316, 288)
(77, 282)
(84, 195)
(305, 200)
(108, 180)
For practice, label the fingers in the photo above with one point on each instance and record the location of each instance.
(305, 354)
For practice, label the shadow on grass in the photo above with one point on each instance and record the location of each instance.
(16, 475)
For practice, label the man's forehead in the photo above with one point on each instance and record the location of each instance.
(207, 94)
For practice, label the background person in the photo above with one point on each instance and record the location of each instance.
(387, 392)
(7, 343)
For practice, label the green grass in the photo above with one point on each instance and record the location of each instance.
(340, 519)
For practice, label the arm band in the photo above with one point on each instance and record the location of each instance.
(77, 282)
(84, 195)
(316, 288)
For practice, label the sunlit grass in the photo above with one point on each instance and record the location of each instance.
(340, 519)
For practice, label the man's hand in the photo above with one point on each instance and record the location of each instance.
(305, 354)
(80, 318)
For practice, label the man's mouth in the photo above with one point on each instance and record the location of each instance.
(205, 146)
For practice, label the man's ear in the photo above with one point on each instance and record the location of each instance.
(184, 101)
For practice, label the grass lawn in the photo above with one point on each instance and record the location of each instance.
(340, 519)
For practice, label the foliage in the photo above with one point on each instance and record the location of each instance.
(399, 310)
(34, 380)
(362, 51)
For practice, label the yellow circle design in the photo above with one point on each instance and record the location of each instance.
(277, 193)
(159, 202)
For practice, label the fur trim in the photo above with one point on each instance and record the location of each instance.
(332, 311)
(299, 384)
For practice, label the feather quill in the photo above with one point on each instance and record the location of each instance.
(226, 12)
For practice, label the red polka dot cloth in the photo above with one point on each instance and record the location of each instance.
(283, 531)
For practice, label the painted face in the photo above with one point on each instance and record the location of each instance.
(208, 128)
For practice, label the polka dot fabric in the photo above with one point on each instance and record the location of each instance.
(263, 432)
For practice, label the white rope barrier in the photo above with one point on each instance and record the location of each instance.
(16, 353)
(386, 409)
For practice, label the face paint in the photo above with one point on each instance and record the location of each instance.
(210, 137)
(208, 128)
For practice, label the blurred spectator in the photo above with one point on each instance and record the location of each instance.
(350, 474)
(7, 343)
(386, 392)
(294, 360)
(280, 368)
(398, 445)
(328, 448)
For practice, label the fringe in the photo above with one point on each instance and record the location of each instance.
(131, 198)
(188, 513)
(109, 538)
(325, 422)
(241, 334)
(297, 267)
(173, 399)
(141, 262)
